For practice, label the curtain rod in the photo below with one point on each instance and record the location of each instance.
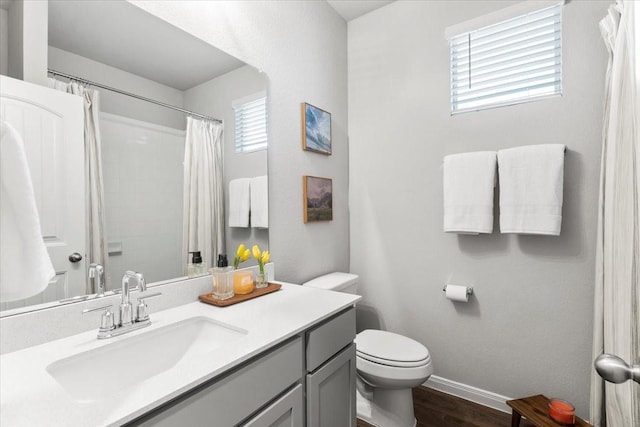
(133, 95)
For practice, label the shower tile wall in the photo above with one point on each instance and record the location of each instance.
(143, 196)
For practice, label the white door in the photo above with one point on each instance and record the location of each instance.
(51, 124)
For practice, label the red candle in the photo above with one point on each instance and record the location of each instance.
(562, 411)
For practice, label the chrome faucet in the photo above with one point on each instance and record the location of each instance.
(126, 316)
(96, 279)
(126, 322)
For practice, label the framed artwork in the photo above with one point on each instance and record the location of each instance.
(318, 199)
(316, 129)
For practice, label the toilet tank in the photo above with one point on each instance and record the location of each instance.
(339, 282)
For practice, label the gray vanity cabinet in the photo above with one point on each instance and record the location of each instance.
(308, 380)
(331, 372)
(229, 399)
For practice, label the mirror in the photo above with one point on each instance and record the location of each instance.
(116, 44)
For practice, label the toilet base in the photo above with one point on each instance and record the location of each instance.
(388, 408)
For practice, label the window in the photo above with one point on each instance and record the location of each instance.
(513, 61)
(251, 123)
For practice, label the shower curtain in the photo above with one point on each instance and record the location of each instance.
(617, 293)
(96, 243)
(203, 203)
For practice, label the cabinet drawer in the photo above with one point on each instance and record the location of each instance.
(330, 337)
(227, 400)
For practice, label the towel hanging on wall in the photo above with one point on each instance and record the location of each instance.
(259, 202)
(531, 189)
(468, 183)
(239, 202)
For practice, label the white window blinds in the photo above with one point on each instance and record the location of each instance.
(516, 60)
(251, 125)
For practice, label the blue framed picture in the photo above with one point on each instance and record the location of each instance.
(316, 129)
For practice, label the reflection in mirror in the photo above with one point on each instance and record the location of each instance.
(117, 45)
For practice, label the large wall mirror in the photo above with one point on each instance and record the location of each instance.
(118, 45)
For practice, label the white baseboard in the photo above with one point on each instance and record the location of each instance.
(467, 392)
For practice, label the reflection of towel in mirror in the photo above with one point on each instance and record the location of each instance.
(531, 187)
(25, 266)
(239, 202)
(260, 202)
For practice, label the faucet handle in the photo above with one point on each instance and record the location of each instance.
(100, 307)
(141, 309)
(107, 322)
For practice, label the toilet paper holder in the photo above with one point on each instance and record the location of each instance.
(469, 290)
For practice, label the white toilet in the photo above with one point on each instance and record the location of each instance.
(389, 366)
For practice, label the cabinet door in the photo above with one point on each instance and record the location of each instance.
(331, 391)
(284, 412)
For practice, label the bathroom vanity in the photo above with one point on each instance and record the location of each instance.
(284, 359)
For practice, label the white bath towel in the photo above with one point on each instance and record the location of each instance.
(239, 202)
(25, 266)
(531, 186)
(260, 202)
(469, 180)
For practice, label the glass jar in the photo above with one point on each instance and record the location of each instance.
(261, 281)
(243, 282)
(222, 283)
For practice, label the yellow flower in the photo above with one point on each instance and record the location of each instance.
(240, 250)
(242, 254)
(256, 252)
(266, 256)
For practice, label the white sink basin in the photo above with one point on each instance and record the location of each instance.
(129, 361)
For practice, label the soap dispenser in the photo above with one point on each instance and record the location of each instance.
(222, 282)
(196, 267)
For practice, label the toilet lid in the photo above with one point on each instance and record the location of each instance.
(390, 348)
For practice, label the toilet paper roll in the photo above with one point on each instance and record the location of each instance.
(457, 293)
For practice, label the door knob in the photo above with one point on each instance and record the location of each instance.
(75, 257)
(615, 370)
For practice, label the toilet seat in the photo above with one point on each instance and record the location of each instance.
(388, 376)
(394, 363)
(388, 348)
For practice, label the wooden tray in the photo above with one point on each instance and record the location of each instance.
(209, 299)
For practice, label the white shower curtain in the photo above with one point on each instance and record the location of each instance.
(203, 203)
(96, 243)
(617, 293)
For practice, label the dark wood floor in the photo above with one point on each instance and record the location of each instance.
(437, 409)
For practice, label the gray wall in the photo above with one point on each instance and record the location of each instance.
(215, 98)
(15, 48)
(527, 329)
(4, 42)
(115, 103)
(302, 47)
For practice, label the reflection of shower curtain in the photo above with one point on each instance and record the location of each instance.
(617, 290)
(203, 206)
(96, 240)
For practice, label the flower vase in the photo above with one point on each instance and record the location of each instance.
(261, 280)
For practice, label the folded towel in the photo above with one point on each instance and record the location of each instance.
(260, 202)
(239, 202)
(469, 179)
(531, 186)
(25, 266)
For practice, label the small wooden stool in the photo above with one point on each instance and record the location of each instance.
(536, 410)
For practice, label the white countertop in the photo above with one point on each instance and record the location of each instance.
(30, 396)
